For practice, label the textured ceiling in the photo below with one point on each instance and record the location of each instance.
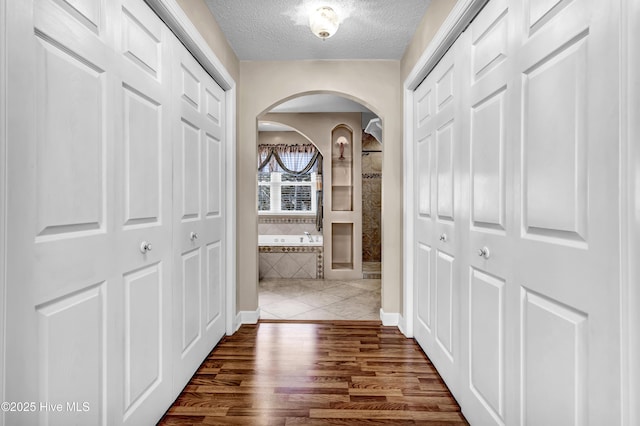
(278, 30)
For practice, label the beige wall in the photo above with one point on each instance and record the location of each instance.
(198, 12)
(373, 83)
(435, 15)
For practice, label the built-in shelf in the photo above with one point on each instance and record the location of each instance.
(342, 245)
(341, 197)
(342, 170)
(342, 266)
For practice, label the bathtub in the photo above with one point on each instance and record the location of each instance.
(289, 240)
(290, 256)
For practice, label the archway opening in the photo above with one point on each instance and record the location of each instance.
(324, 262)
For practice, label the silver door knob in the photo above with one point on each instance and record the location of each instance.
(145, 247)
(443, 238)
(193, 236)
(484, 252)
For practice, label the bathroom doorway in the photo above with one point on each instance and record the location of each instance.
(311, 257)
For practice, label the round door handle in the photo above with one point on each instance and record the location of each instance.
(145, 247)
(443, 238)
(484, 252)
(193, 236)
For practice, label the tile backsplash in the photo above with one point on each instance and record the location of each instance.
(287, 225)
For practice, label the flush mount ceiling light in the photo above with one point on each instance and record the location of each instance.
(324, 22)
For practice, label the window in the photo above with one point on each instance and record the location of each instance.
(286, 193)
(287, 179)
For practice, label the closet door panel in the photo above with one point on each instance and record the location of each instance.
(72, 336)
(445, 173)
(214, 299)
(199, 228)
(444, 311)
(191, 176)
(59, 175)
(143, 214)
(214, 167)
(87, 12)
(424, 288)
(143, 335)
(424, 148)
(424, 270)
(487, 342)
(445, 85)
(75, 200)
(568, 178)
(213, 212)
(143, 159)
(493, 300)
(554, 145)
(559, 357)
(437, 281)
(488, 167)
(190, 295)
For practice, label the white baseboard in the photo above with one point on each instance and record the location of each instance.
(389, 318)
(247, 317)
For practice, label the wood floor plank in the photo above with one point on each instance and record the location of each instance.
(289, 373)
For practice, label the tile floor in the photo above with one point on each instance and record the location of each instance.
(297, 299)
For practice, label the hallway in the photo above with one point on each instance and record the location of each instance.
(132, 200)
(347, 373)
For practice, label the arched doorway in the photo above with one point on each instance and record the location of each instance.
(336, 125)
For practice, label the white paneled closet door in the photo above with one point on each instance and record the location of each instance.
(567, 207)
(437, 168)
(92, 234)
(143, 209)
(537, 256)
(199, 221)
(491, 298)
(91, 179)
(60, 210)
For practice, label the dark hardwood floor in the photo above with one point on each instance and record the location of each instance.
(320, 373)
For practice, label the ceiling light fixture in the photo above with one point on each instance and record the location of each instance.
(324, 22)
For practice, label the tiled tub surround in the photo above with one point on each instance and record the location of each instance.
(290, 256)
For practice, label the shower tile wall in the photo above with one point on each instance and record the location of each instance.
(371, 207)
(371, 200)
